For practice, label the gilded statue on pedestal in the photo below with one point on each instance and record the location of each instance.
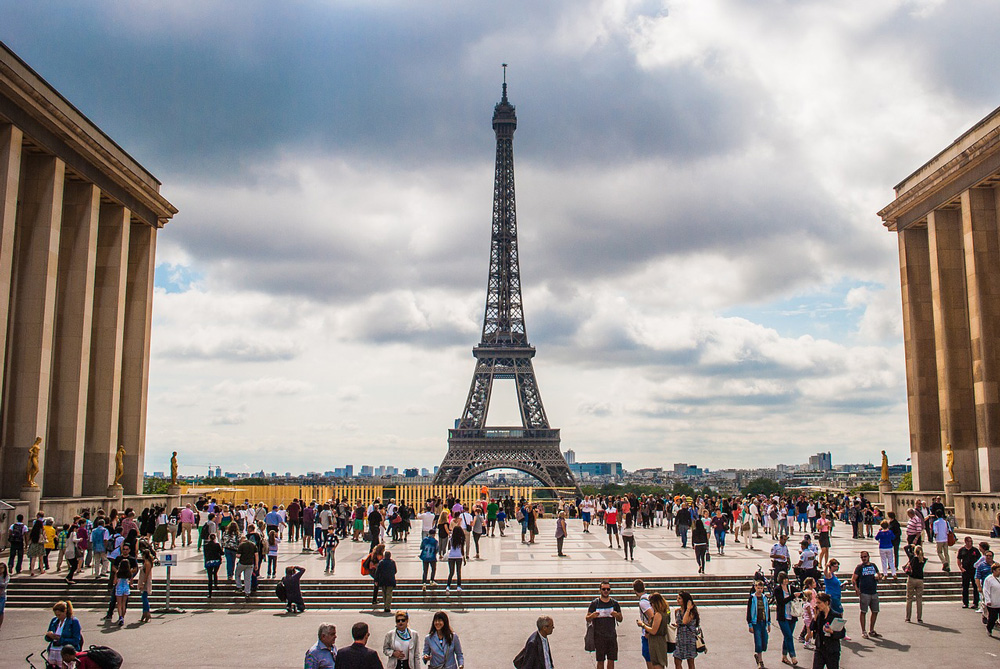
(949, 462)
(885, 468)
(173, 469)
(32, 470)
(119, 464)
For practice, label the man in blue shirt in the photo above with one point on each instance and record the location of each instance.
(273, 520)
(323, 655)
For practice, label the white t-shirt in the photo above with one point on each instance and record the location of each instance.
(941, 529)
(427, 519)
(644, 610)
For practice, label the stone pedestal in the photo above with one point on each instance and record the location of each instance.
(117, 494)
(884, 487)
(949, 493)
(174, 490)
(33, 496)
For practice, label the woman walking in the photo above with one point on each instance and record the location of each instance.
(759, 621)
(122, 589)
(272, 554)
(719, 526)
(213, 552)
(456, 556)
(443, 525)
(699, 539)
(823, 528)
(658, 631)
(688, 622)
(36, 547)
(628, 538)
(146, 582)
(478, 528)
(231, 545)
(784, 596)
(401, 644)
(442, 648)
(915, 581)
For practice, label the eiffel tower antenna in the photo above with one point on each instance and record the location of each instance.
(504, 352)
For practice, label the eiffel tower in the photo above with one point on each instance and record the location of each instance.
(504, 353)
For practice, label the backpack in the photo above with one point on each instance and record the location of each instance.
(519, 515)
(104, 657)
(279, 591)
(16, 535)
(365, 564)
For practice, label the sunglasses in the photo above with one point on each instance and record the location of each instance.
(400, 620)
(605, 589)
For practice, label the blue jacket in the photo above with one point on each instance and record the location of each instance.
(752, 611)
(71, 633)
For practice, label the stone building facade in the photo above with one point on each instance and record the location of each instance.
(78, 224)
(945, 218)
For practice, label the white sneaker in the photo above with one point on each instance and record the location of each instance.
(459, 588)
(447, 589)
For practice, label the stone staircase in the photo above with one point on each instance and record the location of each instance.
(524, 593)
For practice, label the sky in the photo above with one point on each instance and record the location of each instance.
(704, 274)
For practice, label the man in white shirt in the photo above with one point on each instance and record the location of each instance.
(427, 519)
(991, 597)
(941, 529)
(646, 615)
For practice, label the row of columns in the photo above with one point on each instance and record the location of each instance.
(76, 281)
(950, 273)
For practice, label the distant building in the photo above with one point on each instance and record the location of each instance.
(349, 471)
(581, 469)
(821, 462)
(367, 470)
(570, 457)
(218, 471)
(684, 469)
(424, 471)
(158, 475)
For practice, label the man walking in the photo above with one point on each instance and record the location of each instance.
(15, 541)
(865, 580)
(323, 655)
(941, 530)
(968, 555)
(249, 559)
(536, 653)
(605, 613)
(991, 597)
(385, 579)
(357, 656)
(645, 616)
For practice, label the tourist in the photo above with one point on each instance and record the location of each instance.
(942, 529)
(330, 549)
(293, 588)
(983, 567)
(688, 623)
(64, 630)
(781, 559)
(827, 641)
(358, 655)
(720, 524)
(628, 537)
(560, 533)
(98, 538)
(759, 620)
(914, 527)
(501, 521)
(534, 513)
(604, 613)
(4, 581)
(808, 613)
(968, 555)
(885, 537)
(36, 548)
(865, 580)
(833, 586)
(248, 560)
(683, 523)
(536, 653)
(385, 579)
(231, 545)
(272, 553)
(456, 557)
(273, 522)
(323, 654)
(991, 597)
(897, 536)
(15, 543)
(784, 597)
(611, 525)
(444, 532)
(123, 577)
(586, 512)
(478, 527)
(71, 551)
(657, 632)
(823, 527)
(645, 617)
(186, 518)
(213, 553)
(427, 518)
(915, 580)
(442, 647)
(699, 540)
(429, 558)
(401, 645)
(308, 526)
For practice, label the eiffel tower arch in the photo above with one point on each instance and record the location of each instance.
(504, 353)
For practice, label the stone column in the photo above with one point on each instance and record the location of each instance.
(30, 332)
(951, 338)
(104, 393)
(10, 171)
(982, 265)
(921, 363)
(135, 354)
(71, 355)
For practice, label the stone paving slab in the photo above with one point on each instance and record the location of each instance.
(951, 637)
(658, 552)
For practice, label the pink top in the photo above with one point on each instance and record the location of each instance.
(187, 515)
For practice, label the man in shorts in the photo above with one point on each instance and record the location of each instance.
(611, 524)
(646, 615)
(865, 580)
(605, 613)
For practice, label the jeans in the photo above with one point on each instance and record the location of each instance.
(431, 566)
(230, 563)
(455, 565)
(559, 545)
(720, 539)
(759, 637)
(18, 551)
(683, 531)
(787, 628)
(272, 565)
(700, 551)
(145, 601)
(331, 561)
(244, 577)
(213, 577)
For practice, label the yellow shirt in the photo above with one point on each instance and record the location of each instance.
(50, 536)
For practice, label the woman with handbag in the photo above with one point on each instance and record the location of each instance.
(915, 580)
(788, 610)
(401, 644)
(442, 648)
(213, 553)
(659, 631)
(688, 627)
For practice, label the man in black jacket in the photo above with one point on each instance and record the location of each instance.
(536, 653)
(357, 656)
(385, 580)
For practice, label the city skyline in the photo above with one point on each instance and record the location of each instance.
(706, 278)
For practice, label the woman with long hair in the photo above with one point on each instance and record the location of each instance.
(456, 555)
(122, 589)
(36, 547)
(783, 596)
(688, 622)
(443, 524)
(628, 538)
(915, 581)
(658, 631)
(272, 553)
(146, 581)
(442, 648)
(213, 552)
(231, 544)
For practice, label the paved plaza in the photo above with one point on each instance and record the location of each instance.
(658, 553)
(950, 637)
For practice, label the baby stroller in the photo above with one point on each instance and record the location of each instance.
(101, 657)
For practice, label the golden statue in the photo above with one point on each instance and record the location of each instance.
(119, 464)
(949, 462)
(173, 469)
(885, 468)
(32, 471)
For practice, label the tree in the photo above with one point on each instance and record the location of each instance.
(154, 486)
(215, 480)
(763, 486)
(864, 487)
(906, 483)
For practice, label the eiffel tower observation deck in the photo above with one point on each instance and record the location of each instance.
(504, 353)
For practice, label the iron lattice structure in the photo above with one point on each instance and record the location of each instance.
(504, 353)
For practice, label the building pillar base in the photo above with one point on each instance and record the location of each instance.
(884, 486)
(174, 490)
(117, 494)
(949, 492)
(33, 496)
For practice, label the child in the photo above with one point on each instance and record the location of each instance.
(501, 520)
(808, 613)
(272, 553)
(61, 545)
(331, 546)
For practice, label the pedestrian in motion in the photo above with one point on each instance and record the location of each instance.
(536, 653)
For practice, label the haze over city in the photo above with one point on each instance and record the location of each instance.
(705, 277)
